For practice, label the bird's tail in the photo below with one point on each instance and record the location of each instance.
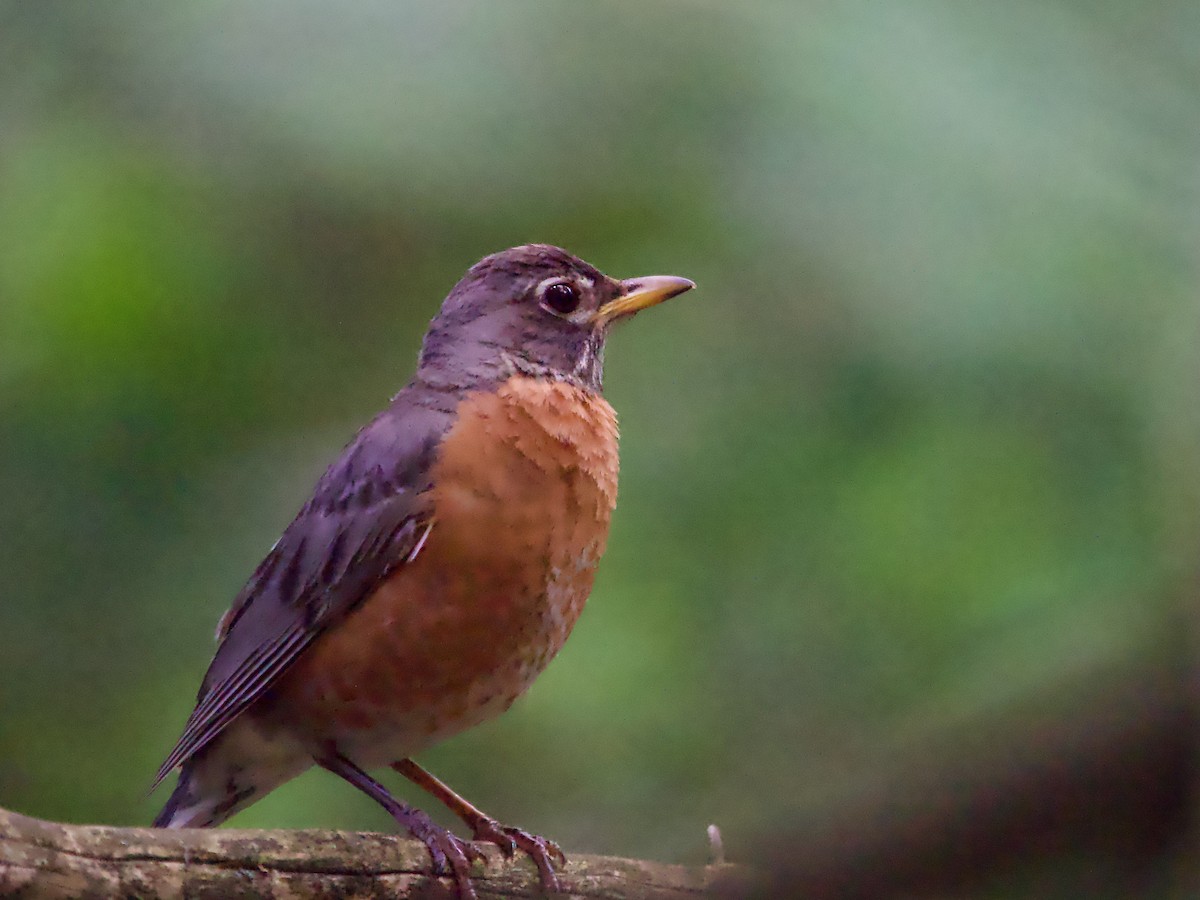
(190, 807)
(179, 800)
(241, 766)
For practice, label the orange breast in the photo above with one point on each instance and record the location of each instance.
(524, 485)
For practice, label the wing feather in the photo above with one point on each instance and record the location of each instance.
(368, 514)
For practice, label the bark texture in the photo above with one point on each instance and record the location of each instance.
(51, 860)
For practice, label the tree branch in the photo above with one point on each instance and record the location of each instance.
(48, 859)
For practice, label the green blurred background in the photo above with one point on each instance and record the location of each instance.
(918, 455)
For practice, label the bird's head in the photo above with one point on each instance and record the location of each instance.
(535, 310)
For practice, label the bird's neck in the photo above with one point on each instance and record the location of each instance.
(586, 371)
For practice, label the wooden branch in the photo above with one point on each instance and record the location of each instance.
(52, 860)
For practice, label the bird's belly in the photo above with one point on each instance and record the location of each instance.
(522, 496)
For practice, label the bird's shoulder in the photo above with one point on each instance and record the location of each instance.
(374, 486)
(368, 513)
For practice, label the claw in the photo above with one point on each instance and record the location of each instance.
(503, 840)
(542, 851)
(451, 856)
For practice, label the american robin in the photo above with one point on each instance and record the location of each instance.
(439, 565)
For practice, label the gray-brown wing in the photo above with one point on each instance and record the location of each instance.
(367, 515)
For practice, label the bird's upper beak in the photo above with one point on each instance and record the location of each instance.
(640, 293)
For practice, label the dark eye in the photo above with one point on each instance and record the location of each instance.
(562, 297)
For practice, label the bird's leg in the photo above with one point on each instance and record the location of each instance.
(542, 851)
(450, 853)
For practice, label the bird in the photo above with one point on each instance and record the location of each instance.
(439, 565)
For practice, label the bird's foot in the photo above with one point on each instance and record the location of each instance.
(542, 851)
(451, 854)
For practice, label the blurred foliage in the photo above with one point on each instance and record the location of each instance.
(922, 446)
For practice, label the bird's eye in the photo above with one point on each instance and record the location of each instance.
(561, 297)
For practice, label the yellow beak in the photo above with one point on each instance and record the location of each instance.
(638, 294)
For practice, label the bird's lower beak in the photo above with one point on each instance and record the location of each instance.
(638, 294)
